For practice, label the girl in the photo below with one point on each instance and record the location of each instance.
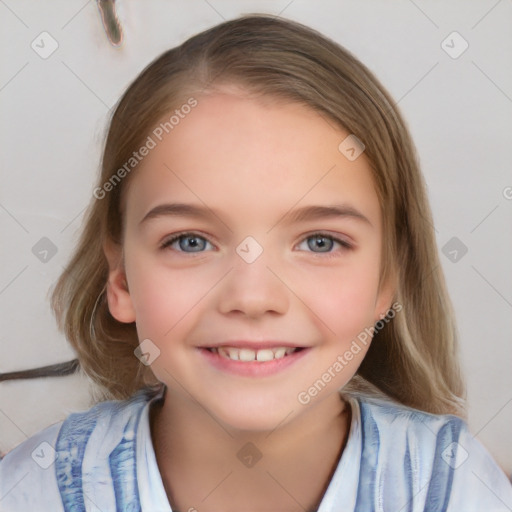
(257, 291)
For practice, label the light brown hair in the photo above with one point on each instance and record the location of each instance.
(413, 358)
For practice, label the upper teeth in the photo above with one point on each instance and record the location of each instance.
(247, 354)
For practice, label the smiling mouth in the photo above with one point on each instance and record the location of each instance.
(248, 355)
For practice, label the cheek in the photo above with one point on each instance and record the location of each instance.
(164, 298)
(342, 299)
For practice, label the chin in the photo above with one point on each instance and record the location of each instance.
(249, 415)
(252, 422)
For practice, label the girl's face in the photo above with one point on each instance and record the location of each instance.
(278, 259)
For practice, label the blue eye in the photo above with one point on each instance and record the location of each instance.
(317, 243)
(324, 243)
(186, 242)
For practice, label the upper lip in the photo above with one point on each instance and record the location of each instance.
(254, 345)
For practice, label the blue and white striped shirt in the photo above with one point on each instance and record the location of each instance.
(395, 459)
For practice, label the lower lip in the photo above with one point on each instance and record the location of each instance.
(252, 368)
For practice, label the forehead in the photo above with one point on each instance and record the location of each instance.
(238, 153)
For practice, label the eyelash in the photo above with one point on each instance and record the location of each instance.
(345, 246)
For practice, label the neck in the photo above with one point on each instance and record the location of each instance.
(209, 466)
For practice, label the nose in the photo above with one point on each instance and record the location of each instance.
(253, 289)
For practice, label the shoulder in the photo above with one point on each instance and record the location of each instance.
(433, 457)
(26, 471)
(35, 473)
(386, 419)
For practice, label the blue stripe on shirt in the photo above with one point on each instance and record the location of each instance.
(369, 460)
(441, 480)
(70, 448)
(71, 444)
(123, 469)
(442, 473)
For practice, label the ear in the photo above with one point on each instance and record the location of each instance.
(385, 296)
(118, 296)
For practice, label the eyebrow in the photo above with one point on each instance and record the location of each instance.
(322, 212)
(178, 210)
(294, 216)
